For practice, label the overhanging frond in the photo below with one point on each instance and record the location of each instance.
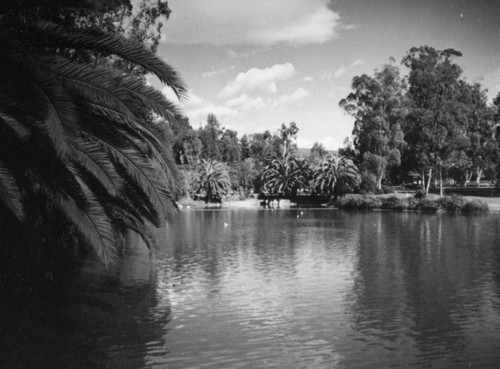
(10, 194)
(48, 34)
(93, 224)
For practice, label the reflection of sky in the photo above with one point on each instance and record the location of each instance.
(329, 288)
(262, 301)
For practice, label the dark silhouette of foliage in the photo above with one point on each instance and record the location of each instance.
(78, 139)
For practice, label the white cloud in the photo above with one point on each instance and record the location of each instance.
(257, 22)
(245, 103)
(170, 94)
(340, 72)
(202, 113)
(258, 80)
(357, 62)
(308, 79)
(313, 28)
(298, 94)
(213, 73)
(326, 75)
(192, 100)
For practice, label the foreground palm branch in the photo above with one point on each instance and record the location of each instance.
(336, 176)
(79, 140)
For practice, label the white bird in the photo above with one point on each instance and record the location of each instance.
(301, 213)
(225, 224)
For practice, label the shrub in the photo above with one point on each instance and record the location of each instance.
(475, 206)
(367, 185)
(394, 203)
(387, 189)
(448, 203)
(451, 203)
(427, 205)
(359, 202)
(420, 195)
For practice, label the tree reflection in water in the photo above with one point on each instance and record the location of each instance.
(98, 319)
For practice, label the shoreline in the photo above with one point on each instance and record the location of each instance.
(253, 203)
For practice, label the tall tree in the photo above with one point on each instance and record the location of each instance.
(187, 147)
(230, 147)
(435, 128)
(377, 103)
(482, 150)
(318, 152)
(210, 136)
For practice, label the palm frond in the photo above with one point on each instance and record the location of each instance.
(118, 92)
(18, 128)
(49, 34)
(94, 160)
(144, 175)
(94, 225)
(10, 194)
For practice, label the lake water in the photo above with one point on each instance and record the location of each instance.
(280, 289)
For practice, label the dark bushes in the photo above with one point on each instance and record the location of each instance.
(475, 206)
(449, 204)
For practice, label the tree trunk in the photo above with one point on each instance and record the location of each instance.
(441, 192)
(379, 182)
(428, 181)
(468, 176)
(479, 172)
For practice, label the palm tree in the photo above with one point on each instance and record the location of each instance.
(284, 174)
(212, 181)
(78, 139)
(336, 176)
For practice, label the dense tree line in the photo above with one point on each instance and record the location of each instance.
(255, 163)
(428, 127)
(431, 125)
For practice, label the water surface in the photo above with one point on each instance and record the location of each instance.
(284, 289)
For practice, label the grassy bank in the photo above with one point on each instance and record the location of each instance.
(453, 203)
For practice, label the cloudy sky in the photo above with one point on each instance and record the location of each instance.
(257, 64)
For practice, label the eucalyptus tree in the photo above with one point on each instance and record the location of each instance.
(317, 154)
(479, 117)
(435, 127)
(79, 146)
(378, 105)
(335, 176)
(210, 135)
